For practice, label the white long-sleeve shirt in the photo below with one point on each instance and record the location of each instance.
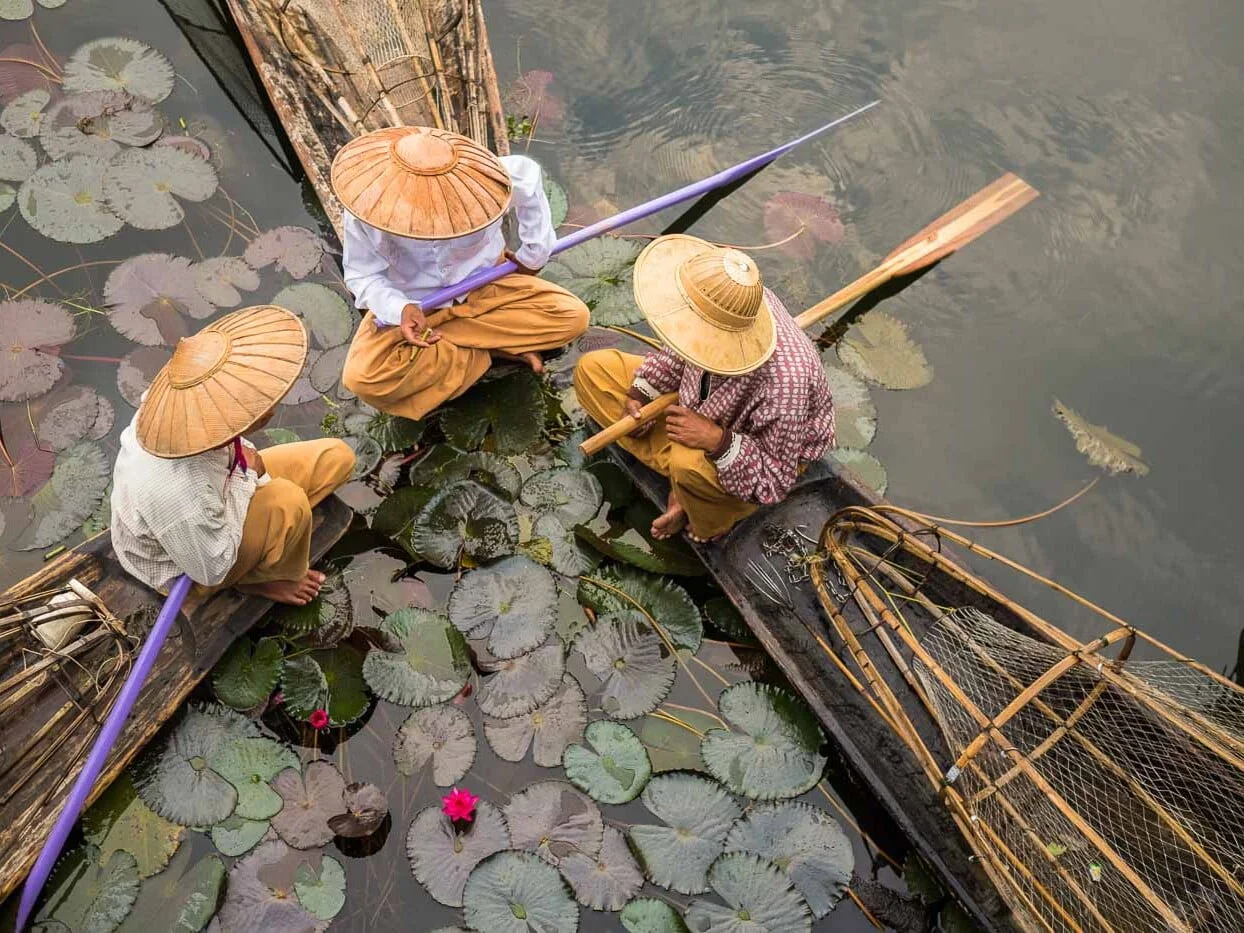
(386, 272)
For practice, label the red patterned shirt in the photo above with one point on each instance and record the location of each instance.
(776, 417)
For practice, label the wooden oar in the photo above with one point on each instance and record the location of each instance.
(984, 210)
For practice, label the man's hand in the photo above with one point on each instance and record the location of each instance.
(691, 429)
(632, 409)
(254, 461)
(415, 327)
(509, 254)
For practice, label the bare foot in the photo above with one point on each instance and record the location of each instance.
(290, 592)
(698, 540)
(669, 522)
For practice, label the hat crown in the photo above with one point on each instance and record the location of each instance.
(723, 286)
(197, 358)
(425, 154)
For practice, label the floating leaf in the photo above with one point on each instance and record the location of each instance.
(605, 881)
(311, 798)
(442, 735)
(137, 369)
(622, 589)
(761, 898)
(322, 894)
(181, 899)
(631, 542)
(514, 892)
(191, 144)
(118, 64)
(73, 414)
(553, 819)
(855, 416)
(236, 836)
(327, 316)
(218, 280)
(330, 679)
(634, 667)
(18, 159)
(559, 204)
(572, 496)
(442, 858)
(512, 604)
(119, 820)
(393, 433)
(698, 813)
(510, 409)
(249, 764)
(149, 296)
(464, 519)
(867, 468)
(69, 498)
(327, 619)
(140, 185)
(483, 467)
(65, 201)
(260, 897)
(8, 194)
(529, 96)
(615, 769)
(32, 327)
(650, 915)
(365, 809)
(516, 686)
(25, 470)
(89, 894)
(98, 123)
(23, 116)
(432, 666)
(599, 272)
(877, 349)
(773, 748)
(674, 746)
(727, 620)
(248, 673)
(295, 250)
(1102, 448)
(546, 730)
(567, 556)
(807, 218)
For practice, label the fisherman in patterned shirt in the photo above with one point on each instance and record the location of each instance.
(753, 404)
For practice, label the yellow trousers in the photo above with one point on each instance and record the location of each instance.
(516, 314)
(602, 379)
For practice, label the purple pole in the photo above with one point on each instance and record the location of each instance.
(443, 296)
(100, 750)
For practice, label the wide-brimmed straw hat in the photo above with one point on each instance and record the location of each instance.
(420, 182)
(221, 381)
(706, 302)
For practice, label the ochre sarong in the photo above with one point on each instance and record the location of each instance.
(602, 379)
(516, 314)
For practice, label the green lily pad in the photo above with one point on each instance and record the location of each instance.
(554, 819)
(367, 454)
(8, 194)
(118, 64)
(623, 589)
(442, 735)
(650, 915)
(396, 515)
(249, 764)
(326, 314)
(803, 841)
(516, 686)
(394, 434)
(140, 185)
(483, 467)
(600, 273)
(605, 881)
(673, 747)
(572, 496)
(634, 669)
(23, 115)
(327, 619)
(773, 749)
(726, 619)
(878, 350)
(235, 836)
(1102, 448)
(181, 899)
(248, 673)
(323, 894)
(567, 554)
(464, 519)
(855, 416)
(615, 769)
(512, 604)
(559, 204)
(311, 798)
(442, 858)
(330, 679)
(218, 281)
(432, 666)
(546, 730)
(867, 468)
(698, 813)
(119, 820)
(761, 899)
(630, 542)
(509, 409)
(65, 201)
(295, 250)
(515, 892)
(18, 159)
(89, 894)
(261, 898)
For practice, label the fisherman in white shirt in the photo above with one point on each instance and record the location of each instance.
(424, 209)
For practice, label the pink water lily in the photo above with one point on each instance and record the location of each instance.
(459, 805)
(318, 719)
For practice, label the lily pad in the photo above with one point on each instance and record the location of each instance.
(464, 519)
(73, 414)
(119, 64)
(69, 498)
(773, 749)
(330, 679)
(98, 123)
(442, 858)
(855, 416)
(23, 115)
(546, 730)
(32, 328)
(559, 204)
(508, 410)
(394, 434)
(249, 764)
(516, 686)
(673, 746)
(567, 554)
(295, 250)
(867, 468)
(140, 185)
(88, 894)
(615, 769)
(572, 496)
(236, 836)
(698, 813)
(150, 295)
(119, 820)
(219, 279)
(483, 467)
(878, 350)
(18, 159)
(514, 892)
(623, 589)
(323, 894)
(367, 454)
(605, 881)
(8, 194)
(651, 915)
(761, 899)
(722, 615)
(512, 604)
(432, 666)
(600, 273)
(261, 897)
(1102, 448)
(803, 841)
(554, 819)
(365, 809)
(442, 735)
(181, 899)
(807, 217)
(137, 369)
(327, 316)
(630, 542)
(325, 620)
(65, 201)
(634, 668)
(311, 798)
(248, 673)
(190, 144)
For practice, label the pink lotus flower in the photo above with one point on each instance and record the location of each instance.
(318, 719)
(459, 805)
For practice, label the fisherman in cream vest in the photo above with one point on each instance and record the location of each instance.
(423, 210)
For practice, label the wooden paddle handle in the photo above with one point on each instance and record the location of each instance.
(626, 424)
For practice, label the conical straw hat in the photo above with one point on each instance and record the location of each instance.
(421, 182)
(221, 381)
(706, 302)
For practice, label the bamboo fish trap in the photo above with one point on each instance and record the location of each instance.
(1100, 784)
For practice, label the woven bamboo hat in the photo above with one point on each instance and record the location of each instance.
(420, 182)
(221, 381)
(706, 302)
